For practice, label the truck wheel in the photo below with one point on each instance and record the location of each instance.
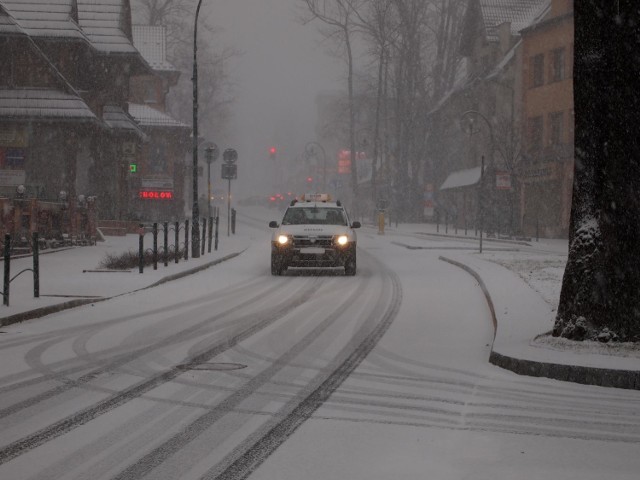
(350, 266)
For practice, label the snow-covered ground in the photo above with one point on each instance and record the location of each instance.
(73, 274)
(421, 401)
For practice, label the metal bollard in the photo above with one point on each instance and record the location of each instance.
(203, 243)
(36, 266)
(209, 233)
(233, 221)
(141, 249)
(165, 226)
(177, 241)
(155, 245)
(7, 269)
(186, 239)
(217, 230)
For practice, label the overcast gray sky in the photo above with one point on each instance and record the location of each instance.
(279, 75)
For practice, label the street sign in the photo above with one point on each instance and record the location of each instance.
(230, 155)
(229, 171)
(211, 152)
(503, 181)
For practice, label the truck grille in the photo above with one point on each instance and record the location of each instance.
(324, 241)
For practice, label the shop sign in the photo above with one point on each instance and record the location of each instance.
(541, 172)
(12, 177)
(156, 183)
(503, 181)
(14, 137)
(428, 208)
(156, 194)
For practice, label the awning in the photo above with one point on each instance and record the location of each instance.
(117, 119)
(462, 178)
(150, 117)
(42, 104)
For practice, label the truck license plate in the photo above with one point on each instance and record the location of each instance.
(312, 250)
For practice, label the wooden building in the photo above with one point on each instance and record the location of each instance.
(66, 132)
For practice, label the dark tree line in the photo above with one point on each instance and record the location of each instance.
(413, 57)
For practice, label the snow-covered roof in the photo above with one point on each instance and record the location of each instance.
(8, 25)
(103, 21)
(150, 117)
(42, 104)
(511, 54)
(460, 85)
(462, 178)
(519, 13)
(150, 40)
(45, 18)
(116, 118)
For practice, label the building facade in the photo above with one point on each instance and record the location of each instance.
(547, 113)
(157, 182)
(67, 137)
(512, 111)
(476, 140)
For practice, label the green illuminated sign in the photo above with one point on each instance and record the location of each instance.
(133, 168)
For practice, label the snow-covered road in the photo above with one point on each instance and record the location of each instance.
(233, 373)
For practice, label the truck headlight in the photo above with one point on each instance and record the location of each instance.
(342, 240)
(283, 239)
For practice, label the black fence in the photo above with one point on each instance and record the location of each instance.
(164, 253)
(173, 252)
(7, 250)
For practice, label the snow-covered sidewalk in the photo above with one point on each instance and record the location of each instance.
(522, 280)
(74, 275)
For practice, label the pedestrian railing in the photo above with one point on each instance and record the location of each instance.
(35, 248)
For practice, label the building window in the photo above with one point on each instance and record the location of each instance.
(158, 158)
(537, 70)
(535, 133)
(555, 128)
(557, 65)
(6, 71)
(150, 94)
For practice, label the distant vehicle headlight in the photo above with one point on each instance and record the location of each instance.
(283, 239)
(342, 240)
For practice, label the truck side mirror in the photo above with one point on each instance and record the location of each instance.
(356, 224)
(273, 224)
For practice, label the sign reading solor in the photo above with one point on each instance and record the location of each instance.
(155, 195)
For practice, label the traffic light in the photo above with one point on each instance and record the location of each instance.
(309, 179)
(272, 153)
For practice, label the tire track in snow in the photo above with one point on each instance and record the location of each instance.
(72, 422)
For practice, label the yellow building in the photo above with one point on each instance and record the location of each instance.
(546, 170)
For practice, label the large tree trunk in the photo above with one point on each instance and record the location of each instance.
(600, 297)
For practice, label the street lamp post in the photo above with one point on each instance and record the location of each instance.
(490, 164)
(310, 151)
(195, 211)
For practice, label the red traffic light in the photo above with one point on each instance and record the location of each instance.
(272, 150)
(309, 179)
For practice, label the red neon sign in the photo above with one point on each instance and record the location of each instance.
(155, 195)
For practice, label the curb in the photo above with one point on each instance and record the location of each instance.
(43, 311)
(484, 239)
(603, 377)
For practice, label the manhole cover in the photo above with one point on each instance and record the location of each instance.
(213, 366)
